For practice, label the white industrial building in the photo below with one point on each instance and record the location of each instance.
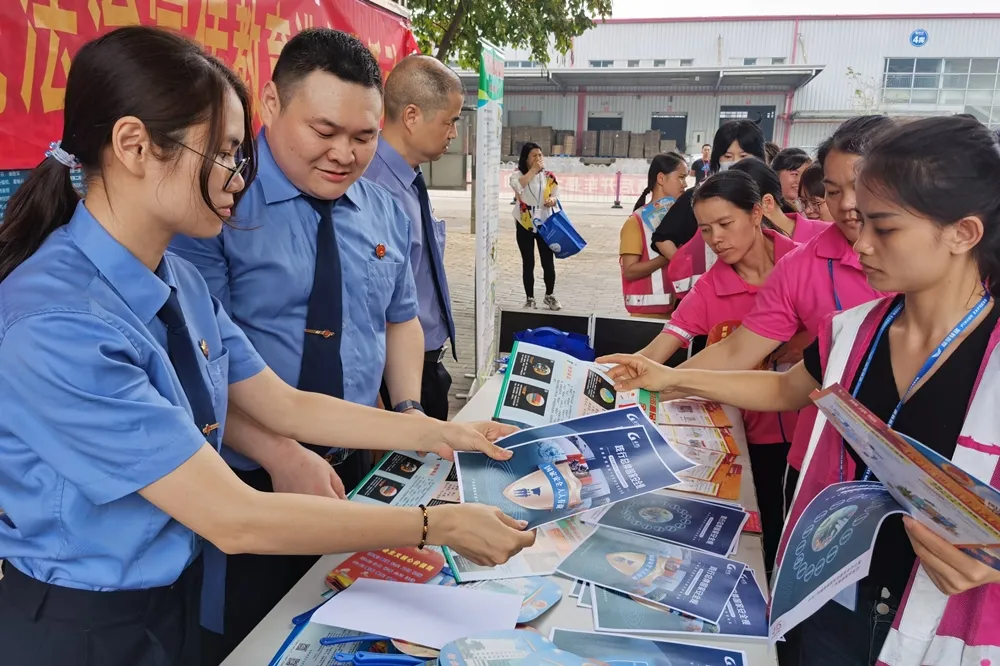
(791, 74)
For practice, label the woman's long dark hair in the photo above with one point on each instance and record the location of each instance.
(811, 181)
(662, 163)
(745, 132)
(166, 81)
(942, 169)
(734, 186)
(853, 136)
(790, 159)
(522, 162)
(767, 180)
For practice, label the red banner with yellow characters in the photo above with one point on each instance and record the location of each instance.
(39, 37)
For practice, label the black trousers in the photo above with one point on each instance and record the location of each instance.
(767, 461)
(434, 387)
(256, 583)
(527, 241)
(43, 624)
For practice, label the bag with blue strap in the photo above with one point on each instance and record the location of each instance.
(559, 233)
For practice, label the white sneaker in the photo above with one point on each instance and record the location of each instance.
(530, 304)
(552, 304)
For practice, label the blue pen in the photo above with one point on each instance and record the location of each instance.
(304, 617)
(343, 640)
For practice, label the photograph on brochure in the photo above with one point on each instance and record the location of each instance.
(626, 417)
(556, 478)
(615, 649)
(708, 526)
(690, 581)
(404, 479)
(745, 615)
(693, 413)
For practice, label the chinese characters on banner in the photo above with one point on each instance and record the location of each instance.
(39, 37)
(588, 187)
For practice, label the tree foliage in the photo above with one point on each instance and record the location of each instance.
(451, 29)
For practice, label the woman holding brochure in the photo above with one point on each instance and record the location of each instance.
(116, 369)
(925, 362)
(730, 213)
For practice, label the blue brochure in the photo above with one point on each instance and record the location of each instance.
(829, 549)
(538, 594)
(616, 418)
(690, 581)
(501, 647)
(745, 615)
(556, 478)
(613, 649)
(706, 526)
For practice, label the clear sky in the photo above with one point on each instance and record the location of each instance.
(659, 8)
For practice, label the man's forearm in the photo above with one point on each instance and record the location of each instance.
(404, 360)
(244, 435)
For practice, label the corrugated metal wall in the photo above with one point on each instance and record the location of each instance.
(558, 111)
(809, 135)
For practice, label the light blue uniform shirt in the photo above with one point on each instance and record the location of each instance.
(394, 173)
(262, 272)
(91, 410)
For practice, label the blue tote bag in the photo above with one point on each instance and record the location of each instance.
(558, 233)
(574, 344)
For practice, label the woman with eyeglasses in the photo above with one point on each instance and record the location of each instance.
(812, 194)
(117, 368)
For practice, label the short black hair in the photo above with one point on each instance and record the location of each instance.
(853, 136)
(706, 145)
(325, 50)
(745, 132)
(811, 181)
(790, 159)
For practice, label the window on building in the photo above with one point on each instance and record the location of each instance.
(687, 62)
(659, 63)
(633, 63)
(971, 84)
(749, 62)
(778, 61)
(602, 63)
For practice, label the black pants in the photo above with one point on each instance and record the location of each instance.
(434, 386)
(256, 583)
(526, 243)
(836, 636)
(767, 461)
(43, 624)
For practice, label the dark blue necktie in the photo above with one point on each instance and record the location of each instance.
(322, 370)
(437, 261)
(184, 357)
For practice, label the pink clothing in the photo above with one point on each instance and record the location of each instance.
(800, 294)
(930, 628)
(723, 298)
(806, 229)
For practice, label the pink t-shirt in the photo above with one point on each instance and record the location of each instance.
(806, 229)
(801, 291)
(721, 298)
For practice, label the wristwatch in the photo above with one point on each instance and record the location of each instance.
(407, 405)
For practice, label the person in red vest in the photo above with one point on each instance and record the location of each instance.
(645, 286)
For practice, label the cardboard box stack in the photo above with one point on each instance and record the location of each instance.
(590, 145)
(637, 146)
(621, 144)
(651, 143)
(506, 143)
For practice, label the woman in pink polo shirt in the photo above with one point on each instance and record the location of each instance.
(927, 363)
(819, 277)
(730, 216)
(694, 258)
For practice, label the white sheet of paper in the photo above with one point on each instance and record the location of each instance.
(431, 615)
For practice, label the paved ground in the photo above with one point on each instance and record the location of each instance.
(588, 283)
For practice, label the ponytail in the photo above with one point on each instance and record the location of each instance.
(41, 205)
(642, 200)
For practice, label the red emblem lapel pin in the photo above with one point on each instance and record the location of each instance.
(380, 251)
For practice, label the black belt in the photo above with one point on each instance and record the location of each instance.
(91, 607)
(435, 356)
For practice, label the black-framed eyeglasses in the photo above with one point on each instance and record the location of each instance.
(240, 162)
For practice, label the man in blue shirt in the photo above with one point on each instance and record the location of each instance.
(316, 271)
(423, 103)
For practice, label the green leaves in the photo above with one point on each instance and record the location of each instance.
(451, 29)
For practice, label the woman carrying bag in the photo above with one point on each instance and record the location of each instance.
(537, 193)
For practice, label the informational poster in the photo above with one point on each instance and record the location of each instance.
(693, 413)
(829, 550)
(553, 542)
(703, 437)
(690, 581)
(556, 478)
(745, 615)
(544, 386)
(615, 649)
(714, 528)
(617, 418)
(303, 646)
(406, 565)
(489, 121)
(406, 479)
